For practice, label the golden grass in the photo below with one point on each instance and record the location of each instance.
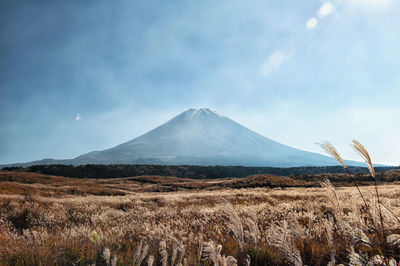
(56, 223)
(55, 186)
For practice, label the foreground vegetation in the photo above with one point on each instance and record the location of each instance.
(47, 220)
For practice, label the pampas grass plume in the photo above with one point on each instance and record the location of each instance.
(328, 148)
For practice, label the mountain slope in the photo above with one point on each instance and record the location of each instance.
(204, 137)
(200, 137)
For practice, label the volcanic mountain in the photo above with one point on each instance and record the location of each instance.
(203, 137)
(199, 137)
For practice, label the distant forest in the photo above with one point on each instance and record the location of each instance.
(188, 171)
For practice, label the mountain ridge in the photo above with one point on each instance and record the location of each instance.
(201, 137)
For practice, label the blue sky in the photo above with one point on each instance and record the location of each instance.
(298, 72)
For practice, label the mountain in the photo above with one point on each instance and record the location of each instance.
(204, 137)
(201, 137)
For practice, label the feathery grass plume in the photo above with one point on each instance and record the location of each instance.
(252, 226)
(355, 235)
(360, 149)
(283, 241)
(234, 222)
(227, 261)
(140, 253)
(150, 260)
(357, 259)
(390, 212)
(106, 255)
(335, 154)
(211, 251)
(178, 248)
(331, 150)
(163, 253)
(333, 198)
(393, 240)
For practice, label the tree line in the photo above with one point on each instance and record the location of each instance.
(188, 171)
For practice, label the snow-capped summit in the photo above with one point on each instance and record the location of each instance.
(204, 137)
(201, 112)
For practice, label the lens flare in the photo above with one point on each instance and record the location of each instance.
(325, 10)
(311, 23)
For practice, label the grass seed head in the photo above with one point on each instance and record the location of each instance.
(360, 149)
(331, 150)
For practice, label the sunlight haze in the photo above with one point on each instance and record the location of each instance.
(79, 76)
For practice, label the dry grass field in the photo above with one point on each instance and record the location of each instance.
(48, 220)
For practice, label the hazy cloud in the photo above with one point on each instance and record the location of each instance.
(275, 59)
(157, 60)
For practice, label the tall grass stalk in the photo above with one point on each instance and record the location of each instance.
(331, 150)
(358, 147)
(362, 151)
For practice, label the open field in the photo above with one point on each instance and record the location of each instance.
(260, 220)
(46, 185)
